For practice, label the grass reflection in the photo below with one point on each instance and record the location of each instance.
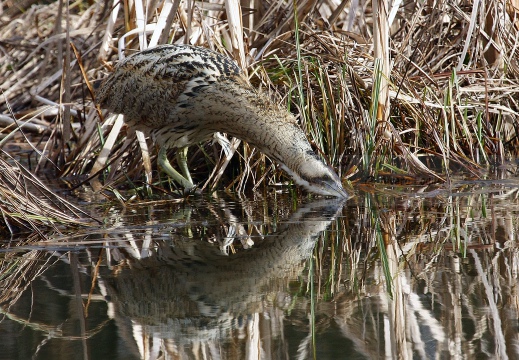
(415, 273)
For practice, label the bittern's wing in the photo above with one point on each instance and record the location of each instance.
(171, 73)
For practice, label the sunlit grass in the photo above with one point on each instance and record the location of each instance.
(449, 108)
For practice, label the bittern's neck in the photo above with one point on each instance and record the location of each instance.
(272, 130)
(254, 118)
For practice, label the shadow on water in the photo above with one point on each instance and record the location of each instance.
(414, 273)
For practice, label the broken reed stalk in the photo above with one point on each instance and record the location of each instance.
(26, 203)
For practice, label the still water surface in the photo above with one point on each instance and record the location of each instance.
(394, 273)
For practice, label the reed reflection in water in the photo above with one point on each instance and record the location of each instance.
(393, 275)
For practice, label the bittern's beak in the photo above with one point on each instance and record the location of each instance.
(335, 188)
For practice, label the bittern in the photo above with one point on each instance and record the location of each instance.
(181, 95)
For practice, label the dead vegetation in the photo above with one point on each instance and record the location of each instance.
(25, 202)
(432, 90)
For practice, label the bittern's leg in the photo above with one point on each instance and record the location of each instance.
(182, 163)
(175, 175)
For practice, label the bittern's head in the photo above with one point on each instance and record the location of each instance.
(317, 177)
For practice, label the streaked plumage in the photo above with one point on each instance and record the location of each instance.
(181, 95)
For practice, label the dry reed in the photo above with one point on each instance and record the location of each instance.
(450, 100)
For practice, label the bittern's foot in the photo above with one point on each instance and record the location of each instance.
(164, 163)
(182, 163)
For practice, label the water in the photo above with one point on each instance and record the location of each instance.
(410, 273)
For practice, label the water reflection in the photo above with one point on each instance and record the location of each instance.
(396, 274)
(197, 299)
(167, 291)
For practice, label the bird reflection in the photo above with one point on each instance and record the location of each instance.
(188, 293)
